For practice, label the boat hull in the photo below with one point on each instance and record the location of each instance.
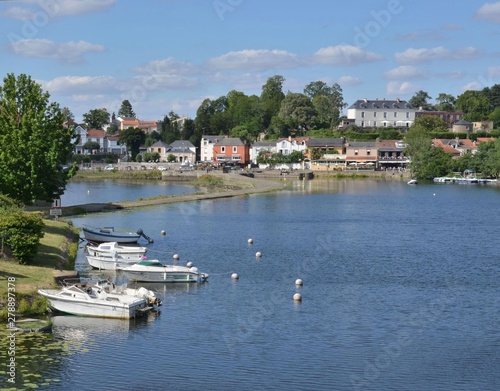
(100, 235)
(167, 274)
(94, 308)
(109, 263)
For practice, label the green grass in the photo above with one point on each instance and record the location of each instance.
(57, 250)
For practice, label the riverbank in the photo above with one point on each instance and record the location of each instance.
(55, 260)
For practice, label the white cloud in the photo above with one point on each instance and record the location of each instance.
(489, 12)
(400, 88)
(424, 55)
(68, 52)
(29, 9)
(348, 81)
(82, 85)
(167, 66)
(255, 60)
(474, 85)
(343, 55)
(404, 72)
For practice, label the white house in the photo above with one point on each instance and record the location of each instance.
(259, 146)
(381, 113)
(207, 147)
(288, 145)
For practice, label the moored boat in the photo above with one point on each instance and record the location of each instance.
(155, 271)
(100, 300)
(109, 234)
(113, 256)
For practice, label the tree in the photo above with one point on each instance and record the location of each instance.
(96, 118)
(493, 95)
(91, 146)
(474, 104)
(495, 117)
(35, 144)
(419, 100)
(68, 115)
(431, 123)
(271, 97)
(297, 111)
(133, 138)
(446, 102)
(126, 110)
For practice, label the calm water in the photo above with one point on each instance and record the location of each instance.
(401, 288)
(110, 190)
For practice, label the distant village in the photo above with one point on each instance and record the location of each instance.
(329, 153)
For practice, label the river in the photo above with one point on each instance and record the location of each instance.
(401, 288)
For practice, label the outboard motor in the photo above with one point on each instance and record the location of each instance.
(141, 232)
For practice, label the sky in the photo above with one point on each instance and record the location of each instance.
(170, 55)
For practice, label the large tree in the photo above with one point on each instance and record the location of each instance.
(328, 102)
(126, 110)
(446, 102)
(271, 97)
(35, 144)
(298, 112)
(474, 104)
(133, 138)
(419, 101)
(96, 118)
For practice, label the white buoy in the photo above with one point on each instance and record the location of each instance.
(297, 297)
(250, 241)
(235, 276)
(189, 264)
(258, 254)
(163, 232)
(176, 256)
(298, 281)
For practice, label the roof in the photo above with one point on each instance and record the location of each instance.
(99, 133)
(463, 122)
(361, 144)
(159, 144)
(380, 104)
(213, 139)
(230, 141)
(264, 144)
(323, 142)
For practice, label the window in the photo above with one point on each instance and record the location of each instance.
(395, 114)
(362, 114)
(385, 114)
(374, 123)
(356, 152)
(223, 149)
(368, 152)
(235, 149)
(407, 114)
(362, 124)
(374, 114)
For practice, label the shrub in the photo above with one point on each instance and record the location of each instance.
(21, 233)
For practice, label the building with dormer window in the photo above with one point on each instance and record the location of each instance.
(381, 113)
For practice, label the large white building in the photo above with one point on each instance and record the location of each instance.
(381, 113)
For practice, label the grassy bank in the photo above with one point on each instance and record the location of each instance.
(57, 251)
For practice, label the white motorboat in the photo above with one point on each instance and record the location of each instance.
(412, 182)
(113, 256)
(155, 271)
(109, 234)
(101, 300)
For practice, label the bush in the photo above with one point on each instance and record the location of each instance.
(21, 233)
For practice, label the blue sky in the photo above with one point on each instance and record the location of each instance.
(169, 55)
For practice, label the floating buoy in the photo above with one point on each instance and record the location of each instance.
(88, 191)
(297, 297)
(258, 254)
(235, 276)
(298, 281)
(163, 232)
(250, 241)
(176, 256)
(189, 264)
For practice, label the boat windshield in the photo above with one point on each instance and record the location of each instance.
(151, 263)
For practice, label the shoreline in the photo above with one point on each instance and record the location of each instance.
(235, 185)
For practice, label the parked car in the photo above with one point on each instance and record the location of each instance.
(162, 168)
(109, 167)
